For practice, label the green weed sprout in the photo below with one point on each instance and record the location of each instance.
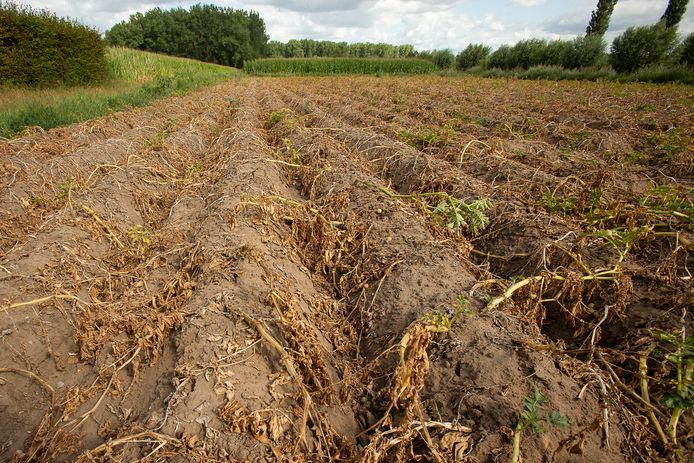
(556, 204)
(456, 214)
(441, 321)
(667, 199)
(531, 420)
(139, 239)
(292, 152)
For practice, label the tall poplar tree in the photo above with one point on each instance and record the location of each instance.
(674, 13)
(600, 18)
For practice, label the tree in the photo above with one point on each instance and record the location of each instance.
(443, 59)
(204, 32)
(687, 52)
(643, 46)
(600, 18)
(674, 13)
(473, 55)
(583, 52)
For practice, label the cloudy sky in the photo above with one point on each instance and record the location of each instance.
(425, 24)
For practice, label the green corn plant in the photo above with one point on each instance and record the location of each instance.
(531, 420)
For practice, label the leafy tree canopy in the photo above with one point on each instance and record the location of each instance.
(204, 32)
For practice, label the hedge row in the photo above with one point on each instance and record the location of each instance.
(39, 49)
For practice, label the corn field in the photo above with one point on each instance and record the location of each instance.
(324, 66)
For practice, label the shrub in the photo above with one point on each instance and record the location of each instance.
(687, 51)
(443, 59)
(39, 49)
(553, 53)
(583, 52)
(529, 53)
(473, 55)
(502, 58)
(643, 46)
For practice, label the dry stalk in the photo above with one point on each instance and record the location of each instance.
(108, 446)
(41, 300)
(103, 224)
(643, 374)
(286, 360)
(33, 376)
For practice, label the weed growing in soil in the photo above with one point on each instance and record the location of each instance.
(623, 240)
(274, 119)
(455, 214)
(450, 212)
(64, 190)
(293, 153)
(667, 199)
(531, 420)
(443, 320)
(557, 204)
(428, 137)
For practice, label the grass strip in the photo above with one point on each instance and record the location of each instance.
(137, 79)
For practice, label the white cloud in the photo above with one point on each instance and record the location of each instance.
(425, 24)
(528, 2)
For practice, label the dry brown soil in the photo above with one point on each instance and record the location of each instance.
(258, 272)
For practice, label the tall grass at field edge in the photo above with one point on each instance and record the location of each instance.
(676, 74)
(136, 79)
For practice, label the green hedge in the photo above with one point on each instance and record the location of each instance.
(39, 49)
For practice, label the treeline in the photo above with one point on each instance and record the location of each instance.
(307, 48)
(204, 32)
(637, 48)
(39, 49)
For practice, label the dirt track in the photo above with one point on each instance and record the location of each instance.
(258, 272)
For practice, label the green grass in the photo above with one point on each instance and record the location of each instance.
(678, 74)
(136, 78)
(343, 66)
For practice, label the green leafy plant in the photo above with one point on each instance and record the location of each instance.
(443, 320)
(450, 212)
(64, 190)
(456, 214)
(428, 137)
(622, 240)
(274, 118)
(196, 167)
(139, 239)
(557, 204)
(531, 420)
(668, 199)
(292, 152)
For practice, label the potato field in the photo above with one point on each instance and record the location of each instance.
(367, 269)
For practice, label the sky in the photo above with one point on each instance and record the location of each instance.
(425, 24)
